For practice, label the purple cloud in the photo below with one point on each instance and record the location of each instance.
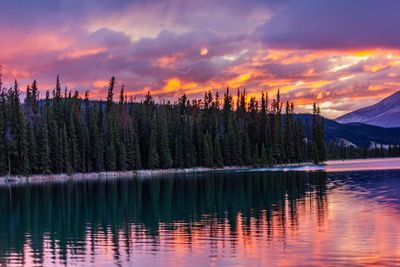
(332, 24)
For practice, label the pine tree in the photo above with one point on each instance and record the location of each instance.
(122, 157)
(33, 155)
(163, 143)
(277, 130)
(97, 138)
(319, 150)
(44, 151)
(110, 94)
(218, 160)
(3, 154)
(66, 151)
(19, 133)
(110, 156)
(70, 134)
(256, 155)
(132, 148)
(73, 143)
(178, 153)
(263, 155)
(207, 160)
(153, 158)
(288, 142)
(246, 150)
(110, 130)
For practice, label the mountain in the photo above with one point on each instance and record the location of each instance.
(385, 113)
(358, 134)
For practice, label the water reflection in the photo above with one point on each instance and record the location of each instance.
(381, 186)
(256, 218)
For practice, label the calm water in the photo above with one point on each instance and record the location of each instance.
(233, 219)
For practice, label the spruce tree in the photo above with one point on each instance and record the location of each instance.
(70, 134)
(33, 154)
(44, 151)
(21, 161)
(256, 156)
(319, 150)
(207, 160)
(163, 143)
(66, 151)
(178, 153)
(122, 157)
(73, 143)
(263, 155)
(3, 154)
(218, 160)
(246, 150)
(153, 158)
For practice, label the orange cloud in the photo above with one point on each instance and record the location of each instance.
(169, 61)
(101, 83)
(375, 87)
(204, 51)
(374, 68)
(83, 53)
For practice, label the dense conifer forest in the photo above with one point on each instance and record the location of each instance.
(63, 132)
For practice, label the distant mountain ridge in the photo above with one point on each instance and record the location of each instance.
(354, 134)
(385, 113)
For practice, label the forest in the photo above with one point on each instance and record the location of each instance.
(64, 132)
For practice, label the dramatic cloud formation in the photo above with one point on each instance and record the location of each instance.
(333, 24)
(341, 54)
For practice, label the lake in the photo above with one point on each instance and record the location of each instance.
(338, 217)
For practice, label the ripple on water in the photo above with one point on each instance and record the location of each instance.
(234, 219)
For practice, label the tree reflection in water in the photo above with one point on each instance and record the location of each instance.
(119, 220)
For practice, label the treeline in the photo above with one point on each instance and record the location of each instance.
(341, 151)
(65, 133)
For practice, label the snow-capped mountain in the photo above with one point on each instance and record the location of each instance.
(385, 113)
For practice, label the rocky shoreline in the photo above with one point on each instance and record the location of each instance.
(34, 179)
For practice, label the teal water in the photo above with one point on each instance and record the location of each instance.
(232, 219)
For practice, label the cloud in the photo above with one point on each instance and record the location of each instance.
(332, 24)
(157, 45)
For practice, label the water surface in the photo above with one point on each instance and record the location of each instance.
(233, 219)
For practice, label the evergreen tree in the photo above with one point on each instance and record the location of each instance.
(122, 158)
(163, 143)
(263, 155)
(3, 154)
(69, 134)
(256, 155)
(246, 150)
(218, 160)
(56, 149)
(153, 158)
(132, 149)
(16, 134)
(44, 151)
(33, 154)
(207, 160)
(66, 151)
(319, 151)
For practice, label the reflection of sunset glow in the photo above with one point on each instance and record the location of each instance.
(249, 219)
(303, 227)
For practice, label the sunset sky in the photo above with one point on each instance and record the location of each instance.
(342, 54)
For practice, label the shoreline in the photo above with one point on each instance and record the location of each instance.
(54, 178)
